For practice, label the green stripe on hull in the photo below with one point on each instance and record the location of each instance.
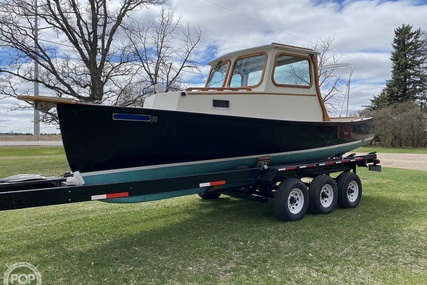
(194, 168)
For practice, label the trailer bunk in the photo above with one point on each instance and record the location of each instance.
(295, 188)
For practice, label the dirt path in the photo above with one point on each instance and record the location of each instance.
(28, 140)
(407, 161)
(30, 143)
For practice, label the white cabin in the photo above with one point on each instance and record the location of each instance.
(274, 81)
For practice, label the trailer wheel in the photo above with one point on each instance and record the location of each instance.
(349, 190)
(323, 195)
(291, 200)
(209, 196)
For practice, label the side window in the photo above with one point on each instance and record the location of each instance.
(248, 71)
(217, 75)
(290, 70)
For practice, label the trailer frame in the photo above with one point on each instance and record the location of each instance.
(261, 184)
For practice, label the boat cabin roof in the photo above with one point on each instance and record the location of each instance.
(263, 48)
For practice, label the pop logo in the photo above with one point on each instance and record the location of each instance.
(22, 273)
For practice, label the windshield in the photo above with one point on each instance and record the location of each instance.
(217, 75)
(248, 71)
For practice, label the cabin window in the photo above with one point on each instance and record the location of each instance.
(290, 70)
(248, 71)
(217, 75)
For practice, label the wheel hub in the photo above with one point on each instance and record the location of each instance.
(295, 201)
(326, 196)
(352, 191)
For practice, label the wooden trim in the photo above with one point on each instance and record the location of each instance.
(200, 91)
(218, 89)
(47, 99)
(319, 94)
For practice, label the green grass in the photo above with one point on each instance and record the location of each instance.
(47, 161)
(187, 240)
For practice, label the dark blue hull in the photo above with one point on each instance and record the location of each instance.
(102, 138)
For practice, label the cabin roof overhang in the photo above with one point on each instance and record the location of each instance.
(264, 48)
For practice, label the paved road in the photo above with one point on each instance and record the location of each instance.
(407, 161)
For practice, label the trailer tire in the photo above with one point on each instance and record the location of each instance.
(291, 200)
(323, 195)
(349, 190)
(209, 196)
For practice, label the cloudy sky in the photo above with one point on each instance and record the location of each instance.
(363, 31)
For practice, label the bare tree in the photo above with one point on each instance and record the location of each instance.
(331, 79)
(84, 63)
(400, 125)
(164, 50)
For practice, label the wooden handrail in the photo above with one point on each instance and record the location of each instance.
(218, 89)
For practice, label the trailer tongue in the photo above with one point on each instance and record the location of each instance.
(292, 197)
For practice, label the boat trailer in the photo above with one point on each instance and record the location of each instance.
(295, 188)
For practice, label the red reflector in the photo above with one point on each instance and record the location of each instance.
(212, 183)
(110, 196)
(216, 183)
(291, 168)
(117, 195)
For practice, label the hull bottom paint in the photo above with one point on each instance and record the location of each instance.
(197, 168)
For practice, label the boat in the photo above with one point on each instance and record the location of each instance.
(257, 103)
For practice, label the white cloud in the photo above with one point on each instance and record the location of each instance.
(21, 121)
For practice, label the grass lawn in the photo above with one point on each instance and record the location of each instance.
(187, 240)
(47, 161)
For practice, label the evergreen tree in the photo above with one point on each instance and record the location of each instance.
(408, 66)
(378, 102)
